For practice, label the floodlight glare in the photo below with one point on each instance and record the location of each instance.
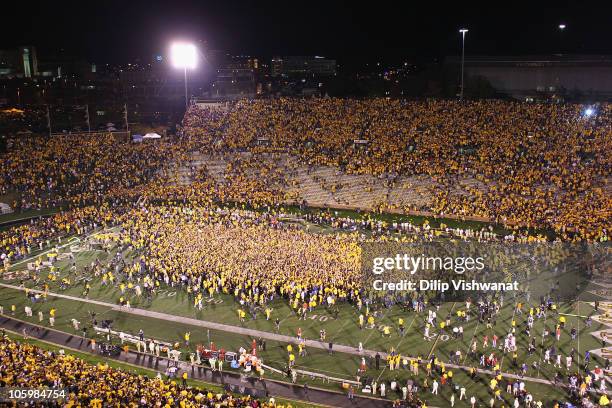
(588, 112)
(183, 55)
(463, 30)
(562, 26)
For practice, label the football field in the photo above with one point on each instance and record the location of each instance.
(341, 325)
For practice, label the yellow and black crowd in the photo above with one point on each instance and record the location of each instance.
(23, 365)
(75, 169)
(183, 238)
(543, 165)
(241, 252)
(536, 165)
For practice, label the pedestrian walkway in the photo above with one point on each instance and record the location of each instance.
(233, 380)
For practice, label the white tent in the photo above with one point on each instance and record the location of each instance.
(151, 136)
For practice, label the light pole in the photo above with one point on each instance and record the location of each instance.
(561, 29)
(184, 55)
(186, 97)
(462, 31)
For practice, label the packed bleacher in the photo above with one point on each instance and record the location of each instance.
(27, 366)
(541, 166)
(536, 165)
(76, 169)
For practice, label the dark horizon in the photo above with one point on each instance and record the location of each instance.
(114, 32)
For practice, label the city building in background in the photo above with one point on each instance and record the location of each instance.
(302, 66)
(19, 63)
(30, 62)
(236, 77)
(154, 91)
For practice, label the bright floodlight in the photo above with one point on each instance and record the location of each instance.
(562, 26)
(588, 112)
(183, 55)
(463, 30)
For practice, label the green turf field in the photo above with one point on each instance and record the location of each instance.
(338, 365)
(341, 328)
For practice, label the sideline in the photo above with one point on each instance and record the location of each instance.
(263, 334)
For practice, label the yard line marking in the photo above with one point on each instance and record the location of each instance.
(71, 240)
(406, 331)
(573, 315)
(281, 321)
(469, 347)
(501, 362)
(339, 331)
(375, 329)
(381, 373)
(286, 317)
(440, 333)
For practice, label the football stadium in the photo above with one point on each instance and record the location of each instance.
(309, 251)
(211, 257)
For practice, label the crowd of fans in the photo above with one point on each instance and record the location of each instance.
(541, 165)
(76, 169)
(255, 255)
(251, 254)
(535, 165)
(20, 241)
(26, 366)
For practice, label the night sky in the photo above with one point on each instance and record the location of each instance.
(120, 31)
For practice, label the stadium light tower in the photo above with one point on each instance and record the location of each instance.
(184, 55)
(462, 31)
(562, 27)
